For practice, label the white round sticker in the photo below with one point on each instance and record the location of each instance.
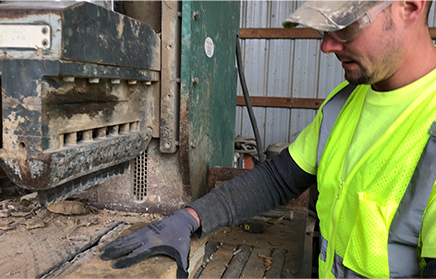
(209, 47)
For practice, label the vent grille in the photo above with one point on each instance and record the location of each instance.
(139, 177)
(87, 136)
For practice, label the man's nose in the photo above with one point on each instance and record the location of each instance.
(330, 45)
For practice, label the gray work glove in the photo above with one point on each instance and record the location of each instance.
(169, 236)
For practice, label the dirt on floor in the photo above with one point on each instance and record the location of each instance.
(65, 240)
(50, 242)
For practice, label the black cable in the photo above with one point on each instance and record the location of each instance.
(248, 101)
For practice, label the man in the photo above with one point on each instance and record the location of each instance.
(371, 149)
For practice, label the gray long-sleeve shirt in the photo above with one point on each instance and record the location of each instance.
(263, 188)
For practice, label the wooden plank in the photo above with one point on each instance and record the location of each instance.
(278, 33)
(433, 33)
(292, 266)
(59, 246)
(281, 102)
(217, 266)
(255, 266)
(306, 270)
(294, 258)
(294, 33)
(209, 249)
(286, 234)
(34, 253)
(89, 264)
(278, 260)
(240, 258)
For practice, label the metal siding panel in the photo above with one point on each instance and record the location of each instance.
(304, 85)
(255, 61)
(281, 53)
(254, 56)
(276, 126)
(280, 10)
(257, 14)
(331, 75)
(431, 16)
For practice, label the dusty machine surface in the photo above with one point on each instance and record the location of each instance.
(95, 97)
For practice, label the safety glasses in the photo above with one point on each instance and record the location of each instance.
(352, 31)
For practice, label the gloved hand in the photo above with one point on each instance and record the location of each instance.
(169, 236)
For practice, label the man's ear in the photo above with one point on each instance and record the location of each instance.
(411, 11)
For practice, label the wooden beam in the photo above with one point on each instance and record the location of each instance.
(281, 102)
(295, 33)
(433, 33)
(278, 33)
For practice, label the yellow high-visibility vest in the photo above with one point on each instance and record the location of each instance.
(370, 220)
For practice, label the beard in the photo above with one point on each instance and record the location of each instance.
(361, 77)
(358, 75)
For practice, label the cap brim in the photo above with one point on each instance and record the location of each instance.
(328, 15)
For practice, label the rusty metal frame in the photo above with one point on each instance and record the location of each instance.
(170, 73)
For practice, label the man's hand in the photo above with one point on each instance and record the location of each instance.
(170, 236)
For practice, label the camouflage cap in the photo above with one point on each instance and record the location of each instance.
(328, 15)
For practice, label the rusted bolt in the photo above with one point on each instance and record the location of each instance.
(196, 14)
(195, 81)
(168, 96)
(167, 144)
(169, 47)
(44, 42)
(44, 30)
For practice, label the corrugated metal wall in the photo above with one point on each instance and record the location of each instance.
(284, 68)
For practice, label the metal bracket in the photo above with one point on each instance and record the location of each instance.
(25, 36)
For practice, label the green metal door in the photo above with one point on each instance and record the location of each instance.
(208, 89)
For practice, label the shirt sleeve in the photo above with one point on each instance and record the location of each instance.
(304, 149)
(263, 188)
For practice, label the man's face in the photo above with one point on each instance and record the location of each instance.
(372, 57)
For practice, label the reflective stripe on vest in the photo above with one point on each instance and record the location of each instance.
(338, 268)
(332, 108)
(406, 225)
